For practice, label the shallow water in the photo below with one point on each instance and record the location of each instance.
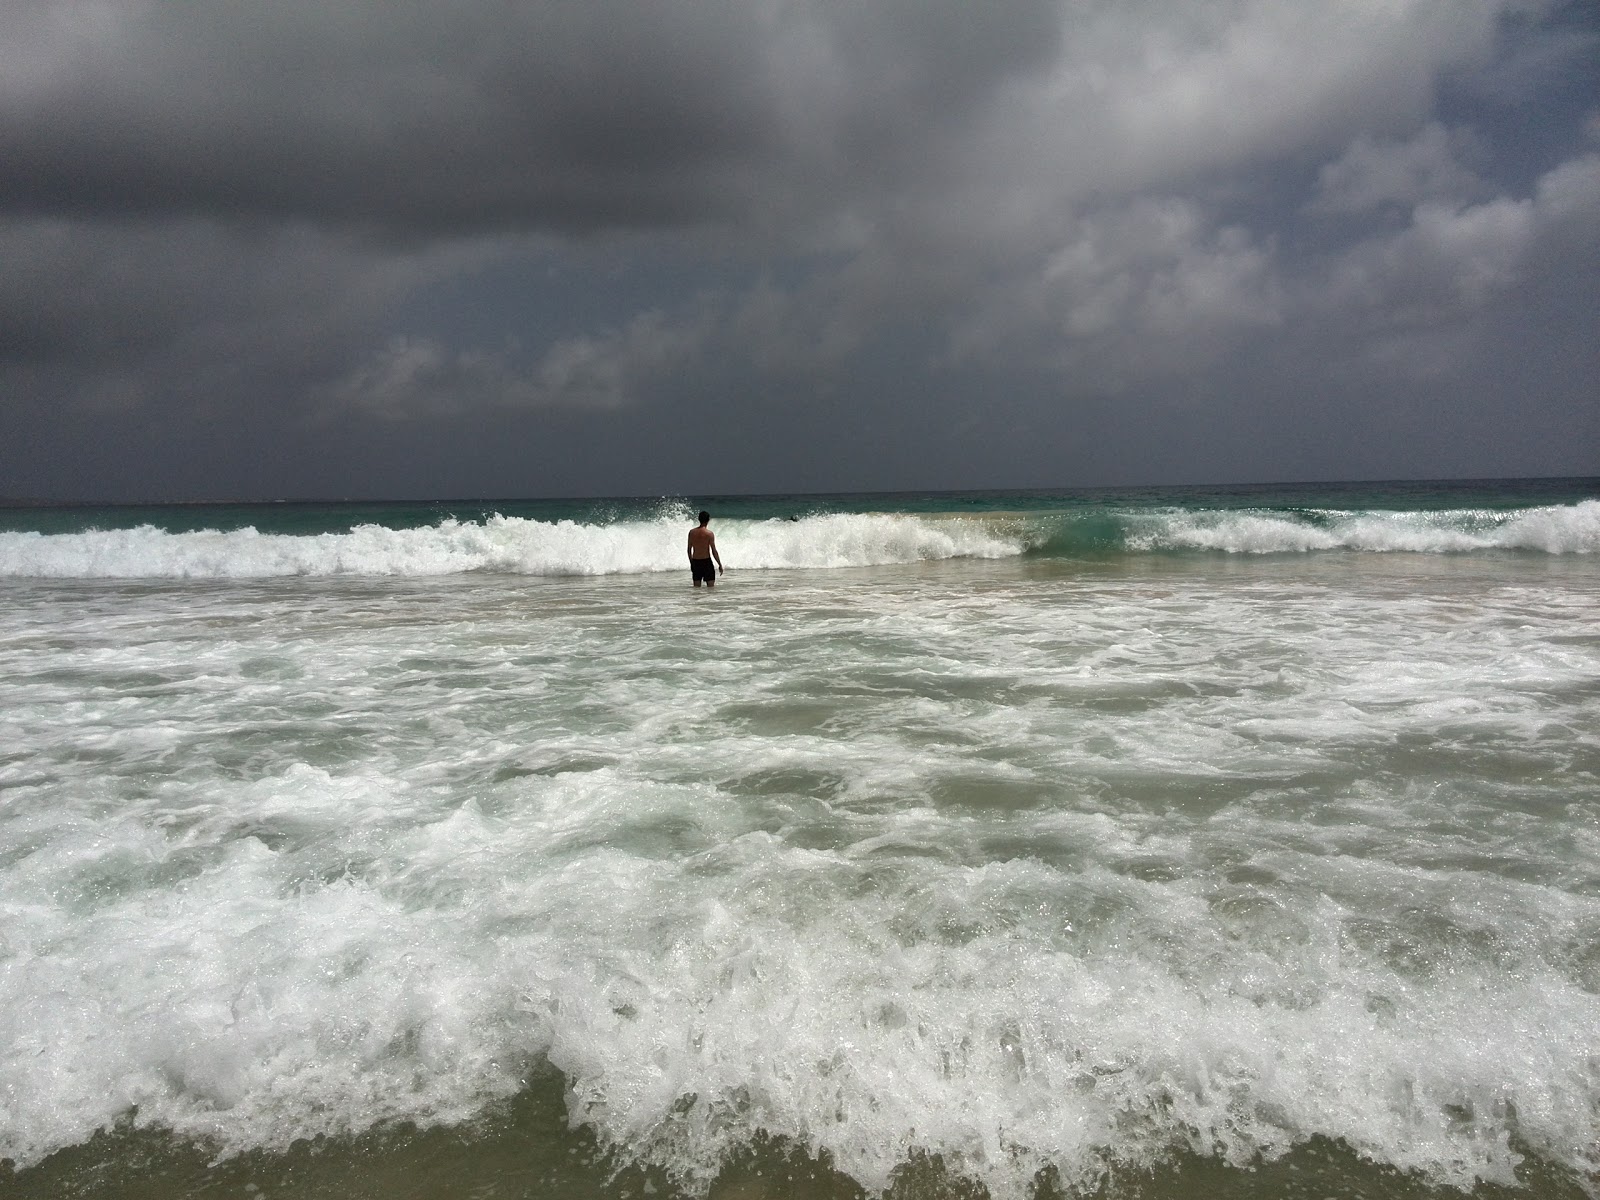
(1136, 876)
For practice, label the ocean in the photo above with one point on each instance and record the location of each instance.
(1173, 842)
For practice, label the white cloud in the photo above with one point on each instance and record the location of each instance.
(1376, 172)
(1241, 79)
(1051, 224)
(1146, 96)
(1421, 302)
(1571, 192)
(1453, 259)
(1131, 292)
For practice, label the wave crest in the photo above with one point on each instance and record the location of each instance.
(513, 545)
(1554, 529)
(525, 546)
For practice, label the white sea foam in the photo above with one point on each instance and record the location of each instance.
(503, 544)
(1554, 529)
(516, 545)
(1054, 872)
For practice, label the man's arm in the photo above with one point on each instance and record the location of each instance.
(714, 553)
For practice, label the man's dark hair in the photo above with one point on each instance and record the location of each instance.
(704, 516)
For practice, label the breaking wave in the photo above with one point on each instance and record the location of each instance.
(512, 545)
(524, 546)
(1554, 529)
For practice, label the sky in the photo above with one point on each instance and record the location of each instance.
(449, 249)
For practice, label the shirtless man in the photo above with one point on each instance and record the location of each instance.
(702, 549)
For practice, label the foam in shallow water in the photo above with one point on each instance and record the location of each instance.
(1023, 869)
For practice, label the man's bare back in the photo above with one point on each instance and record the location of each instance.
(702, 550)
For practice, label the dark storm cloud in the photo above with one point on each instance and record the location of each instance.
(178, 311)
(362, 234)
(381, 113)
(410, 114)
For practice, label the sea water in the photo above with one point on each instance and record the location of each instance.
(1190, 842)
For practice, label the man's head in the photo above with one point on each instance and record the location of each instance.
(705, 517)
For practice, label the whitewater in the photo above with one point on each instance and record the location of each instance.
(529, 546)
(1131, 845)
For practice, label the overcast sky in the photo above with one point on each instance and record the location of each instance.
(439, 248)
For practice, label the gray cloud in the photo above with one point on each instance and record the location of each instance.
(1145, 288)
(408, 115)
(1375, 173)
(411, 377)
(401, 115)
(186, 314)
(329, 219)
(1453, 260)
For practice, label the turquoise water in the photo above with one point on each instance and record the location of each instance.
(1199, 842)
(314, 517)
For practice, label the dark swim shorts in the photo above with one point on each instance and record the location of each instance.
(701, 570)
